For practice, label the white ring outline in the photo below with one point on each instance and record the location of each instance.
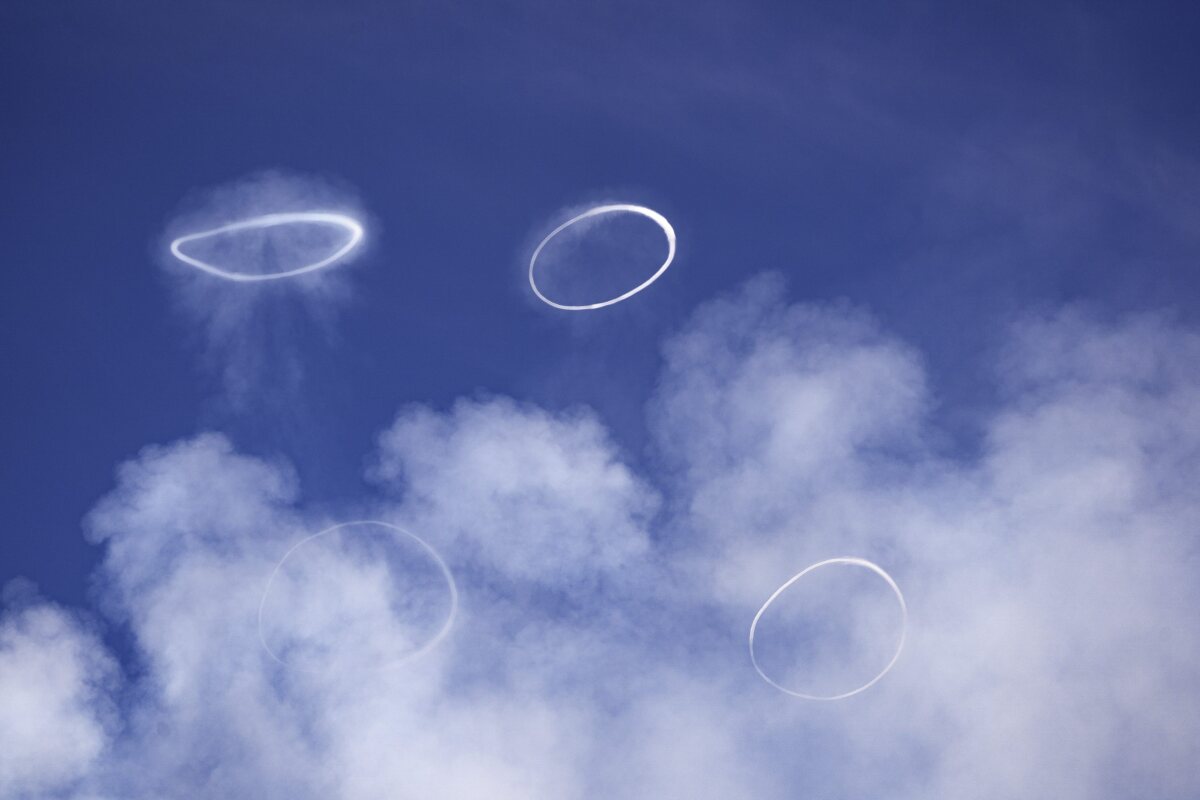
(649, 213)
(420, 651)
(271, 221)
(858, 562)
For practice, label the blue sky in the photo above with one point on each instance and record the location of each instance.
(944, 167)
(989, 215)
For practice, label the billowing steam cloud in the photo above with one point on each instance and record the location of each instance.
(56, 710)
(600, 645)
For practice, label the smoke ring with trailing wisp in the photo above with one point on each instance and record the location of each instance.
(857, 562)
(447, 575)
(616, 208)
(351, 225)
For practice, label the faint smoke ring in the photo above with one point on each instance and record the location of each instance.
(649, 213)
(451, 587)
(857, 562)
(351, 225)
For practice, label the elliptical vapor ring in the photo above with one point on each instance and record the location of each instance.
(649, 213)
(433, 642)
(270, 221)
(858, 562)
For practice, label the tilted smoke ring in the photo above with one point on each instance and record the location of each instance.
(858, 562)
(433, 642)
(270, 221)
(649, 213)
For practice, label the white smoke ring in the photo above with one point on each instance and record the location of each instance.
(649, 213)
(451, 586)
(350, 224)
(858, 562)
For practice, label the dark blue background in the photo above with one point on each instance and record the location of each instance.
(946, 166)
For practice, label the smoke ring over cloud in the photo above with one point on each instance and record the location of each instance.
(858, 562)
(649, 213)
(350, 224)
(451, 587)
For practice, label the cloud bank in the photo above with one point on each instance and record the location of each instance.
(600, 647)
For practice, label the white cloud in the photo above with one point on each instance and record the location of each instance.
(784, 425)
(531, 495)
(600, 648)
(1048, 577)
(55, 713)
